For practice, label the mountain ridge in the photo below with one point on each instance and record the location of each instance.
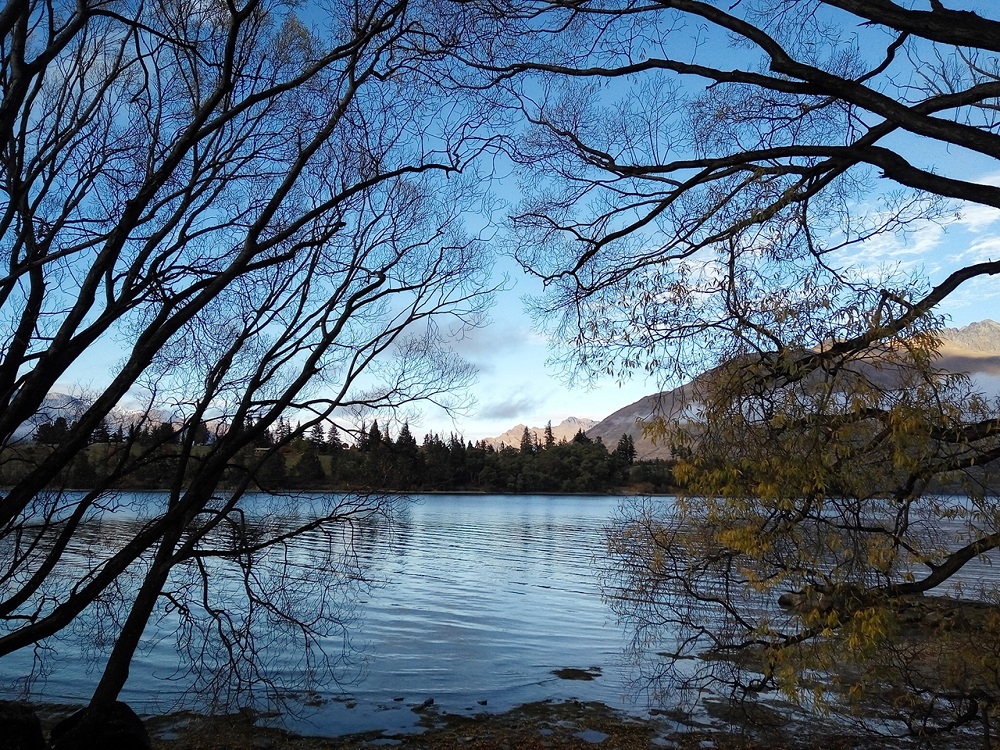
(565, 430)
(973, 349)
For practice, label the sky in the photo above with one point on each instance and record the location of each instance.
(518, 384)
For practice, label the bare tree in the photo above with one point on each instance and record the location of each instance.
(707, 186)
(245, 210)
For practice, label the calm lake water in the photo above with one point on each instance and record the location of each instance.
(477, 601)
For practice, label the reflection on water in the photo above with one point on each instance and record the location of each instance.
(477, 599)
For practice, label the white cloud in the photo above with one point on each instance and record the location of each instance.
(976, 218)
(981, 250)
(919, 241)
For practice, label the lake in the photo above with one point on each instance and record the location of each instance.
(477, 602)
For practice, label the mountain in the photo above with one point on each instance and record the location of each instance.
(982, 337)
(564, 430)
(627, 420)
(973, 349)
(54, 406)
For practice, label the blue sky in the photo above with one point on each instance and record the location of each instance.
(517, 383)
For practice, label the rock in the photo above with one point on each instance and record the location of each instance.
(122, 730)
(426, 704)
(20, 727)
(790, 599)
(572, 673)
(592, 736)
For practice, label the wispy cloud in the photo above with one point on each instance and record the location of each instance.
(974, 218)
(486, 347)
(514, 406)
(982, 249)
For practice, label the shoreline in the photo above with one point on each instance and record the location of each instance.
(542, 725)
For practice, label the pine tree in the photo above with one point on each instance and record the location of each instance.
(374, 437)
(406, 443)
(362, 443)
(527, 444)
(317, 438)
(333, 438)
(550, 439)
(626, 449)
(102, 434)
(283, 431)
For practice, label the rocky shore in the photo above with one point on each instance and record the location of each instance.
(545, 725)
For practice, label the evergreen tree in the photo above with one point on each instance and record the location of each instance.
(374, 437)
(437, 462)
(283, 431)
(201, 434)
(626, 449)
(52, 433)
(527, 444)
(317, 438)
(43, 434)
(333, 438)
(407, 461)
(309, 470)
(102, 434)
(164, 433)
(550, 439)
(363, 441)
(406, 444)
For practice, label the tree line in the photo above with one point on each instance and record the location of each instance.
(367, 458)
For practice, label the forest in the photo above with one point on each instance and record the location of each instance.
(367, 459)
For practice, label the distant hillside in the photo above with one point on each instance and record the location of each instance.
(564, 430)
(982, 337)
(54, 406)
(972, 349)
(626, 421)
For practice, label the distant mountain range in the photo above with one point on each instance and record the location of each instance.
(627, 420)
(565, 430)
(973, 349)
(982, 337)
(71, 408)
